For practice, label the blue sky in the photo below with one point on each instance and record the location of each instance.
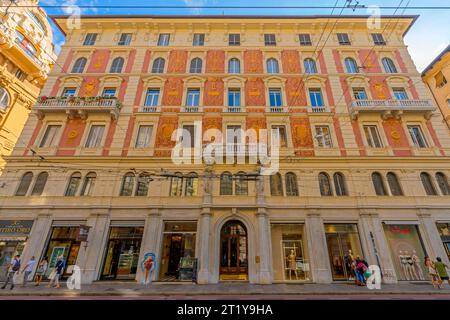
(425, 40)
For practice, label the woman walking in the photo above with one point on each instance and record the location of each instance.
(41, 269)
(57, 272)
(432, 272)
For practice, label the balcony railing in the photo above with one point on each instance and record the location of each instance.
(318, 109)
(148, 109)
(392, 108)
(277, 109)
(233, 109)
(191, 109)
(29, 53)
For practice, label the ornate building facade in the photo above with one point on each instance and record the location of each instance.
(363, 163)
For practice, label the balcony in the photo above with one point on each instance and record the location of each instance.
(191, 109)
(392, 108)
(77, 106)
(148, 109)
(277, 109)
(318, 109)
(234, 109)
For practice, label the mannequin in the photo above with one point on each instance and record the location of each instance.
(348, 260)
(416, 264)
(410, 266)
(292, 264)
(403, 263)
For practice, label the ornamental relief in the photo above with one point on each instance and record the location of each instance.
(291, 61)
(253, 61)
(166, 127)
(295, 91)
(177, 61)
(214, 89)
(301, 133)
(255, 92)
(173, 92)
(215, 61)
(394, 131)
(256, 124)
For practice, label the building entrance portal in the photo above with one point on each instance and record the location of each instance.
(233, 251)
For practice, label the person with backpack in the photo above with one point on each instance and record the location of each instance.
(14, 267)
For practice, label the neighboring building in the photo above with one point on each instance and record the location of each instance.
(364, 163)
(26, 56)
(437, 78)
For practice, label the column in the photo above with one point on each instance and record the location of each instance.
(430, 236)
(265, 274)
(205, 246)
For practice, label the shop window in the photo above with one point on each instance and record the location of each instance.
(196, 65)
(378, 184)
(444, 232)
(276, 185)
(272, 66)
(351, 65)
(241, 184)
(394, 184)
(234, 66)
(226, 184)
(79, 65)
(128, 184)
(443, 183)
(176, 184)
(39, 185)
(191, 187)
(4, 99)
(339, 184)
(389, 66)
(24, 185)
(291, 184)
(117, 65)
(158, 65)
(143, 182)
(73, 184)
(325, 185)
(428, 185)
(310, 66)
(88, 184)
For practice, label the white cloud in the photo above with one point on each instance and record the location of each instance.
(195, 3)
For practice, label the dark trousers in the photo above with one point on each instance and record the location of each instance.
(9, 277)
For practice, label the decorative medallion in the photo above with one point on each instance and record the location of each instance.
(395, 135)
(72, 134)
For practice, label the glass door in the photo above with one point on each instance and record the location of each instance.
(233, 251)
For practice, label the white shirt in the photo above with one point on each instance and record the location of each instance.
(30, 265)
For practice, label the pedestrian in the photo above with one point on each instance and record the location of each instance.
(432, 272)
(360, 270)
(441, 270)
(14, 267)
(28, 269)
(57, 272)
(41, 269)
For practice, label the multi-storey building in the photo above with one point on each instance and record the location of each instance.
(363, 163)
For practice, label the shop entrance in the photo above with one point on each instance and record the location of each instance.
(233, 251)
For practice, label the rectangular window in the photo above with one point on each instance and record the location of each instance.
(144, 136)
(417, 136)
(305, 39)
(50, 135)
(270, 39)
(234, 97)
(188, 137)
(193, 98)
(90, 39)
(234, 135)
(373, 137)
(69, 92)
(440, 79)
(323, 137)
(400, 94)
(20, 75)
(199, 39)
(316, 97)
(378, 39)
(275, 98)
(95, 136)
(125, 39)
(164, 39)
(343, 39)
(234, 39)
(279, 133)
(152, 97)
(359, 94)
(109, 92)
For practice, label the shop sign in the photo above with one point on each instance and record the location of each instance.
(188, 269)
(83, 233)
(15, 227)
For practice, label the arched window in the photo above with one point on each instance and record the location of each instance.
(389, 66)
(443, 183)
(241, 184)
(226, 184)
(276, 185)
(88, 184)
(176, 184)
(196, 65)
(127, 184)
(143, 182)
(325, 185)
(272, 66)
(394, 184)
(378, 184)
(191, 185)
(39, 185)
(158, 65)
(234, 66)
(72, 186)
(79, 65)
(291, 184)
(339, 184)
(310, 66)
(351, 65)
(4, 99)
(24, 185)
(117, 65)
(428, 184)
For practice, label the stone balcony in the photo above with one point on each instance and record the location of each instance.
(191, 109)
(149, 109)
(278, 109)
(318, 109)
(391, 108)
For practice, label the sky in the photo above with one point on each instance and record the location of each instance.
(426, 39)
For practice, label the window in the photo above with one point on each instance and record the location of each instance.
(234, 97)
(428, 184)
(443, 183)
(196, 66)
(90, 39)
(191, 185)
(234, 39)
(144, 136)
(234, 66)
(39, 185)
(95, 136)
(109, 92)
(310, 66)
(69, 92)
(359, 93)
(125, 39)
(440, 79)
(50, 135)
(193, 98)
(20, 75)
(378, 39)
(291, 184)
(199, 39)
(343, 39)
(373, 137)
(316, 97)
(272, 66)
(163, 40)
(226, 184)
(305, 39)
(378, 184)
(279, 134)
(117, 65)
(323, 137)
(158, 65)
(417, 136)
(143, 182)
(176, 184)
(152, 98)
(394, 184)
(4, 99)
(325, 185)
(400, 94)
(74, 182)
(388, 65)
(127, 185)
(270, 40)
(79, 65)
(88, 184)
(276, 185)
(25, 44)
(339, 184)
(188, 137)
(275, 98)
(351, 65)
(24, 184)
(241, 184)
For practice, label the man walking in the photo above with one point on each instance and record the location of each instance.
(14, 267)
(441, 271)
(28, 269)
